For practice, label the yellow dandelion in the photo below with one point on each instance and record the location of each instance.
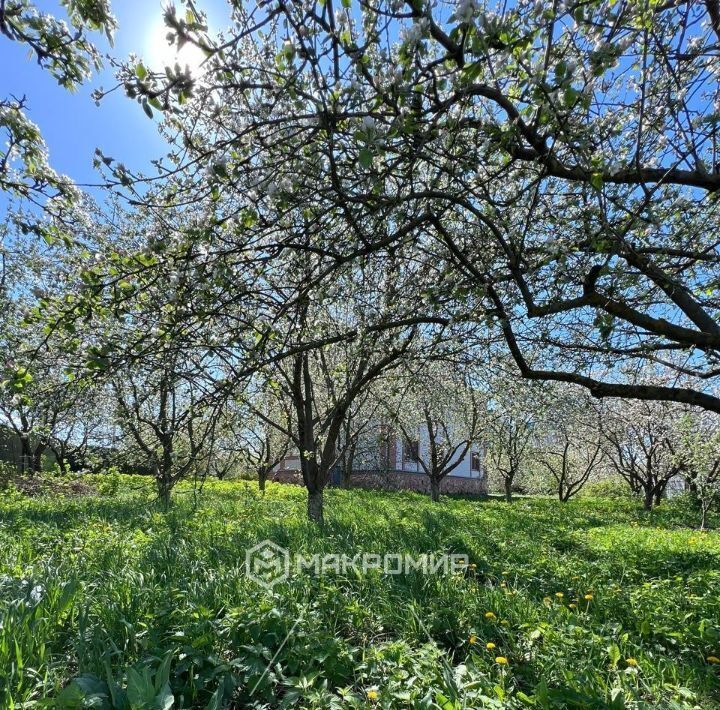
(490, 615)
(490, 646)
(631, 662)
(713, 659)
(372, 695)
(503, 584)
(588, 597)
(559, 595)
(472, 639)
(547, 600)
(472, 565)
(504, 622)
(501, 661)
(572, 606)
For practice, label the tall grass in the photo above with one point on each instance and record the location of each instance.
(591, 604)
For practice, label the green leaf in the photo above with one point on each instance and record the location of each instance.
(140, 71)
(216, 702)
(366, 158)
(596, 181)
(614, 654)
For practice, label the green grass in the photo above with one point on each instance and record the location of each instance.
(145, 608)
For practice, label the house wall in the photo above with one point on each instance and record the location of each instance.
(380, 463)
(409, 481)
(462, 470)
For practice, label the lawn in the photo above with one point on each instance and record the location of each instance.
(589, 604)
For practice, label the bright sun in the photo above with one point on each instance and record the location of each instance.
(159, 54)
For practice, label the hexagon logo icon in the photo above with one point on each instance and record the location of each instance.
(267, 564)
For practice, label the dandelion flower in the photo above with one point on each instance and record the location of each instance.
(490, 615)
(501, 661)
(631, 662)
(490, 646)
(588, 597)
(504, 622)
(472, 639)
(472, 565)
(713, 659)
(572, 606)
(559, 595)
(372, 695)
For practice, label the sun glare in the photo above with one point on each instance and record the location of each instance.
(160, 54)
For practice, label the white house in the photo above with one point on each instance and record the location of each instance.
(383, 459)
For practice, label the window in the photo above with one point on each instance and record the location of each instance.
(411, 450)
(475, 461)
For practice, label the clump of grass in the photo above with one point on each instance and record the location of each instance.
(105, 599)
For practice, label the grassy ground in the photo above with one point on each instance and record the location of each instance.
(590, 604)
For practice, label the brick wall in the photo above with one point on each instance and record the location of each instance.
(398, 481)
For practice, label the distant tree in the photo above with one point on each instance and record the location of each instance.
(265, 418)
(38, 400)
(167, 412)
(569, 441)
(513, 414)
(642, 442)
(437, 405)
(700, 457)
(82, 426)
(367, 433)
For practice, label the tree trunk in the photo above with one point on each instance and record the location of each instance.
(649, 499)
(262, 479)
(315, 507)
(703, 516)
(163, 491)
(25, 455)
(163, 483)
(434, 489)
(508, 489)
(37, 459)
(659, 493)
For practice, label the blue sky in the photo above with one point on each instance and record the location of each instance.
(72, 125)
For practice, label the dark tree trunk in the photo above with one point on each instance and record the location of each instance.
(659, 493)
(262, 478)
(37, 459)
(434, 489)
(163, 488)
(508, 489)
(25, 455)
(649, 498)
(315, 507)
